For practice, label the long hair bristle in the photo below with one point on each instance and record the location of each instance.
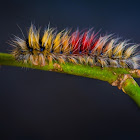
(87, 48)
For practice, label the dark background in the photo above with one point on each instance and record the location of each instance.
(46, 105)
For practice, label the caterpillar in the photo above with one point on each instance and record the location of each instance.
(78, 47)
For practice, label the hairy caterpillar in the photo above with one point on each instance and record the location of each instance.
(87, 48)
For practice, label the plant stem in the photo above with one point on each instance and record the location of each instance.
(110, 75)
(132, 89)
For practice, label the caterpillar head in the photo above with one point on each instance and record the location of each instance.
(31, 49)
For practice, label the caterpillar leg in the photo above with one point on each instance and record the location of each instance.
(41, 59)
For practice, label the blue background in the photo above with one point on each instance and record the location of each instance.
(46, 105)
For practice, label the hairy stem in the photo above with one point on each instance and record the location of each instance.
(111, 75)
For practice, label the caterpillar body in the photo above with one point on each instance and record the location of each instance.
(87, 48)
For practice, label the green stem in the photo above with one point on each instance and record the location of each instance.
(105, 74)
(132, 89)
